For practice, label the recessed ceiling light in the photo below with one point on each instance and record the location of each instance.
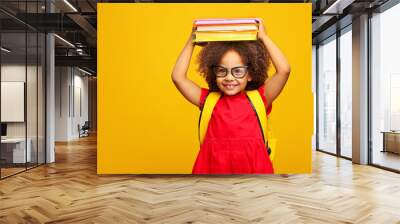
(5, 50)
(64, 40)
(337, 7)
(84, 71)
(71, 6)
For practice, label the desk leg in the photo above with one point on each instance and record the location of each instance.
(19, 153)
(384, 142)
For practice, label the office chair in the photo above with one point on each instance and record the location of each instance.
(84, 130)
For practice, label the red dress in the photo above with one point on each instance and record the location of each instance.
(233, 143)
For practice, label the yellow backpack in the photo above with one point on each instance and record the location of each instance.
(258, 107)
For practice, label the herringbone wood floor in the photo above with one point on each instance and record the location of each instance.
(70, 191)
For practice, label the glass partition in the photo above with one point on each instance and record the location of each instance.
(41, 87)
(22, 88)
(15, 149)
(32, 95)
(32, 90)
(327, 95)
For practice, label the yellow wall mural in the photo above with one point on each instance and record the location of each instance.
(145, 126)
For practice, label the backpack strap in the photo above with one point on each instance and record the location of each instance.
(206, 112)
(258, 106)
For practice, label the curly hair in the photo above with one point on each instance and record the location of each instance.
(253, 54)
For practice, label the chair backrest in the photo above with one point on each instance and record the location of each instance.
(86, 124)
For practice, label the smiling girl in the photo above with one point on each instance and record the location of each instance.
(233, 143)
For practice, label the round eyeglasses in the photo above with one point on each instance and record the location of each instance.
(237, 72)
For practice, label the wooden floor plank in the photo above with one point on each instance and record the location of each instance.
(70, 191)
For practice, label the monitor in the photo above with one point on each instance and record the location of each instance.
(3, 129)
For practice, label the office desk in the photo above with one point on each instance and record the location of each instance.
(13, 150)
(391, 141)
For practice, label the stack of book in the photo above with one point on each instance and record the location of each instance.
(206, 30)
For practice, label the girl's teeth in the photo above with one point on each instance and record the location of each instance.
(230, 86)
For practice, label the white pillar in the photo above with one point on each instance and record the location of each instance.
(360, 89)
(50, 99)
(50, 92)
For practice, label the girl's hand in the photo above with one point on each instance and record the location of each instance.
(191, 37)
(275, 83)
(189, 89)
(261, 30)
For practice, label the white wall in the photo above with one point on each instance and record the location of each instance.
(71, 94)
(16, 73)
(81, 89)
(62, 81)
(33, 126)
(12, 101)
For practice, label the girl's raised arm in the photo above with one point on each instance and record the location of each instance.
(190, 90)
(274, 84)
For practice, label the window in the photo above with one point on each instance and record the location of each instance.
(327, 95)
(346, 92)
(385, 88)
